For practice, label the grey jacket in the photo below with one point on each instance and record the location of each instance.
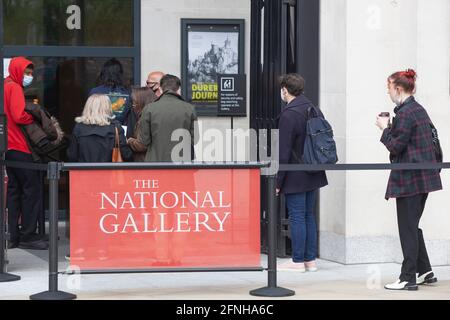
(159, 120)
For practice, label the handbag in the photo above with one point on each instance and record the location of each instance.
(116, 155)
(437, 145)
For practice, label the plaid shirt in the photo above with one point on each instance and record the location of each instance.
(409, 140)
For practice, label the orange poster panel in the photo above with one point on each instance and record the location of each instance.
(165, 218)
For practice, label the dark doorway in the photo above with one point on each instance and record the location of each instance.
(62, 84)
(284, 39)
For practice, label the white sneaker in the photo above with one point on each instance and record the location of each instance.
(398, 285)
(427, 278)
(292, 266)
(311, 266)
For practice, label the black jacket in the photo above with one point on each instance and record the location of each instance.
(292, 126)
(91, 143)
(131, 120)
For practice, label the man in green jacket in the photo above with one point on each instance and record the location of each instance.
(161, 121)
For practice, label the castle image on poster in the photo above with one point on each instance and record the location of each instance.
(210, 54)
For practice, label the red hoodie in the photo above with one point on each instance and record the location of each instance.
(14, 101)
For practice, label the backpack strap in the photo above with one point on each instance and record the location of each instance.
(434, 133)
(432, 126)
(312, 112)
(116, 137)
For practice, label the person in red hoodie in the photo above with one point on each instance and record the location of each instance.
(24, 197)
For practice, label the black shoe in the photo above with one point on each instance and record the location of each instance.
(34, 245)
(13, 245)
(426, 278)
(46, 237)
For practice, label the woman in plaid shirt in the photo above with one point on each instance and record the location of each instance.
(409, 140)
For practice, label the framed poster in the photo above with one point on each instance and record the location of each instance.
(210, 47)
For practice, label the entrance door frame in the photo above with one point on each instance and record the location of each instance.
(280, 45)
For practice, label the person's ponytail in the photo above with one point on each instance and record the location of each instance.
(405, 79)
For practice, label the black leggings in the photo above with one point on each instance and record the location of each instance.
(409, 212)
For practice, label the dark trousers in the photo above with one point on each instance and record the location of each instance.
(409, 212)
(24, 199)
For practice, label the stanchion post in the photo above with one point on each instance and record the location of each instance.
(272, 290)
(54, 174)
(4, 276)
(41, 218)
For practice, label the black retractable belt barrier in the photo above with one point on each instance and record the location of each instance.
(53, 174)
(4, 276)
(272, 290)
(364, 167)
(54, 170)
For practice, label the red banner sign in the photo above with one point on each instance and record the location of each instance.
(165, 218)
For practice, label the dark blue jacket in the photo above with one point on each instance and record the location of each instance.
(114, 94)
(292, 126)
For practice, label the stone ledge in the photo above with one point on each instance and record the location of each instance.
(381, 249)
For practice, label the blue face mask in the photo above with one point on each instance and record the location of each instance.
(27, 80)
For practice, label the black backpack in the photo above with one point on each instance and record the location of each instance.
(320, 147)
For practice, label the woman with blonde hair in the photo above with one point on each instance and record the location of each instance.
(94, 135)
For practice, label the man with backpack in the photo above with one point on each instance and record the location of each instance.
(305, 137)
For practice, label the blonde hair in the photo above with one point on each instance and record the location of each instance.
(97, 111)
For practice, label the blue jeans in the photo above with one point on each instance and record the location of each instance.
(303, 226)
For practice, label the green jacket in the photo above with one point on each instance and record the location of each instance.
(159, 120)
